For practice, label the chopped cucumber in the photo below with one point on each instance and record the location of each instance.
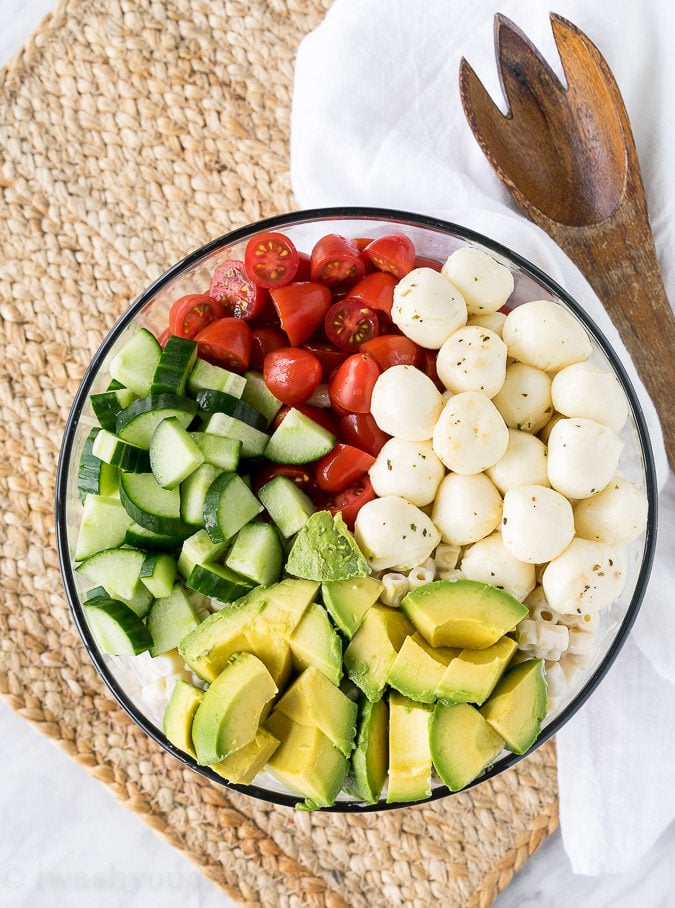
(257, 553)
(173, 454)
(199, 549)
(175, 365)
(134, 364)
(206, 375)
(218, 450)
(229, 505)
(118, 570)
(158, 573)
(138, 421)
(118, 630)
(108, 404)
(218, 581)
(155, 508)
(287, 504)
(93, 475)
(113, 450)
(258, 395)
(210, 401)
(104, 525)
(193, 493)
(298, 439)
(253, 441)
(171, 619)
(142, 538)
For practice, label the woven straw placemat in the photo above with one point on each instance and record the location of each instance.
(133, 131)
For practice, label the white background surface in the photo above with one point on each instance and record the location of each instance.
(65, 842)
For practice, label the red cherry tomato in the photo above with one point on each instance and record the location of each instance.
(299, 475)
(304, 272)
(351, 385)
(348, 324)
(422, 262)
(394, 253)
(163, 337)
(271, 259)
(263, 341)
(393, 350)
(292, 374)
(302, 308)
(336, 262)
(191, 313)
(361, 430)
(362, 241)
(226, 342)
(328, 355)
(428, 366)
(375, 290)
(341, 467)
(322, 415)
(236, 292)
(351, 500)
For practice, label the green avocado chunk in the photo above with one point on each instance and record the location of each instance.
(370, 757)
(179, 713)
(324, 549)
(348, 601)
(409, 750)
(316, 642)
(463, 743)
(419, 668)
(372, 651)
(472, 676)
(518, 705)
(242, 766)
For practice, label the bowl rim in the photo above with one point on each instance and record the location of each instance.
(333, 214)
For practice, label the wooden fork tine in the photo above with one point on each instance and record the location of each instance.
(523, 71)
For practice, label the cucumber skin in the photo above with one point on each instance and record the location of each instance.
(210, 401)
(174, 367)
(130, 624)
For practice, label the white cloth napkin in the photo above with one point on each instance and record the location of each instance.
(377, 120)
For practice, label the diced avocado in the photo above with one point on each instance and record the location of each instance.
(463, 744)
(286, 603)
(517, 706)
(409, 750)
(243, 765)
(316, 642)
(324, 549)
(472, 676)
(228, 717)
(370, 758)
(462, 613)
(179, 713)
(348, 601)
(272, 649)
(208, 647)
(306, 761)
(418, 669)
(373, 648)
(314, 700)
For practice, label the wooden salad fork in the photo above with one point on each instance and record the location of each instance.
(568, 157)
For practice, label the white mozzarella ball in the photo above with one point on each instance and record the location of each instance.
(406, 403)
(583, 389)
(524, 461)
(466, 508)
(427, 307)
(484, 283)
(394, 534)
(472, 359)
(537, 523)
(409, 469)
(615, 515)
(524, 399)
(545, 433)
(543, 334)
(492, 320)
(582, 457)
(586, 578)
(489, 561)
(470, 434)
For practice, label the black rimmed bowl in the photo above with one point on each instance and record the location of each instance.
(434, 239)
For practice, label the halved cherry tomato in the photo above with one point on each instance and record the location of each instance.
(302, 308)
(292, 374)
(163, 337)
(336, 262)
(351, 500)
(375, 290)
(226, 342)
(422, 261)
(362, 241)
(299, 475)
(271, 259)
(394, 253)
(263, 341)
(191, 313)
(236, 292)
(351, 385)
(328, 355)
(361, 430)
(428, 365)
(304, 272)
(392, 350)
(341, 467)
(349, 323)
(322, 415)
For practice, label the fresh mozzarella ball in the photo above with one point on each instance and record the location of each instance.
(409, 469)
(537, 523)
(394, 534)
(472, 359)
(543, 334)
(488, 561)
(466, 508)
(524, 461)
(582, 457)
(427, 307)
(525, 398)
(470, 435)
(545, 433)
(586, 578)
(583, 389)
(494, 321)
(484, 283)
(406, 403)
(617, 514)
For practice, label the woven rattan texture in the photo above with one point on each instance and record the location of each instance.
(131, 132)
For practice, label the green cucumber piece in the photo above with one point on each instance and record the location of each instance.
(155, 508)
(138, 421)
(135, 362)
(104, 525)
(257, 553)
(142, 538)
(93, 475)
(107, 404)
(158, 573)
(218, 581)
(258, 395)
(117, 452)
(175, 364)
(198, 549)
(96, 592)
(210, 401)
(171, 619)
(173, 454)
(117, 629)
(288, 506)
(229, 505)
(253, 441)
(118, 570)
(193, 493)
(207, 375)
(298, 439)
(218, 450)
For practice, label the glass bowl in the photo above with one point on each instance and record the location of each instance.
(433, 239)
